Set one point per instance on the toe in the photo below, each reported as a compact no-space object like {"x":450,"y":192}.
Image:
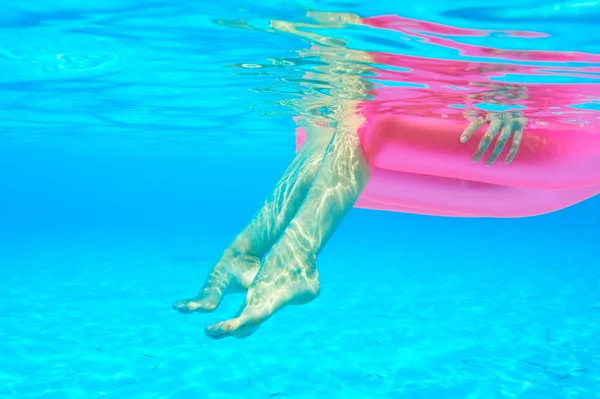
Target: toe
{"x":194,"y":306}
{"x":204,"y":303}
{"x":238,"y":327}
{"x":218,"y":330}
{"x":183,"y":306}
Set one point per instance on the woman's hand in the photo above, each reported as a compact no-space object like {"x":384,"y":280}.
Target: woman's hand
{"x":507,"y":123}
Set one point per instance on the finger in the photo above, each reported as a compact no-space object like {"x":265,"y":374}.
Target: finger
{"x":502,"y":140}
{"x":517,"y":138}
{"x":476,"y":123}
{"x":489,"y":135}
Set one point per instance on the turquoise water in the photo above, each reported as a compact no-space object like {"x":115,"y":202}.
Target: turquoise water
{"x":138,"y":137}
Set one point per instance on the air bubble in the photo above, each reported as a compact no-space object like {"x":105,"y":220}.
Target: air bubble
{"x":84,"y":62}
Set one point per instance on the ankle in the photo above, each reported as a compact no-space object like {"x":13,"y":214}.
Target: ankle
{"x":291,"y":257}
{"x":297,"y":250}
{"x":234,"y":252}
{"x":234,"y":258}
{"x":241,"y":250}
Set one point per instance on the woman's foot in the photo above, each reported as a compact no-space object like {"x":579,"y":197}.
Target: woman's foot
{"x":231,"y":274}
{"x":282,"y":280}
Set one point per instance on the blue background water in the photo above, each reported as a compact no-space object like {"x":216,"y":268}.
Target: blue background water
{"x":131,"y":160}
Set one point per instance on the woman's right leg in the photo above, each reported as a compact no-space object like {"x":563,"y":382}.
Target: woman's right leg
{"x":240,"y":262}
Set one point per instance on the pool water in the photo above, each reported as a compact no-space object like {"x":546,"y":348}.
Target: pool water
{"x":137,"y":138}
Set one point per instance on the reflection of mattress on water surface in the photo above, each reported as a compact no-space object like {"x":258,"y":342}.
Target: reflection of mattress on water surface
{"x":420,"y":166}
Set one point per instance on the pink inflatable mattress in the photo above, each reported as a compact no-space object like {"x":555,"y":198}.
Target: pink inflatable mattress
{"x":414,"y":121}
{"x":420,"y":166}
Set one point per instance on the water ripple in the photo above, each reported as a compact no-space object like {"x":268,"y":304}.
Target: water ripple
{"x":148,"y":71}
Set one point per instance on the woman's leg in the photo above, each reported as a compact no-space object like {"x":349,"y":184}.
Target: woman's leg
{"x":288,"y":274}
{"x":339,"y":185}
{"x":240,"y":262}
